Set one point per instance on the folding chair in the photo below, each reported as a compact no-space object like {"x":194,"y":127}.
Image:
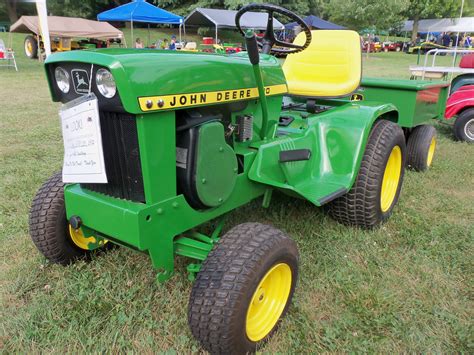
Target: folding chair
{"x":8,"y":56}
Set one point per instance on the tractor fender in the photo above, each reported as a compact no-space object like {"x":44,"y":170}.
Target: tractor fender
{"x":459,"y":101}
{"x":336,"y":139}
{"x":460,"y":81}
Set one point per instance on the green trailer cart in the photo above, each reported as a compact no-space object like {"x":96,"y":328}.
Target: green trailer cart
{"x":417,"y":103}
{"x":157,"y":143}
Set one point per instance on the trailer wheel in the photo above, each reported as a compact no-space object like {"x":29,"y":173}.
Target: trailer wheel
{"x":50,"y":231}
{"x":375,"y":192}
{"x":244,"y":288}
{"x":421,"y":147}
{"x":464,"y":126}
{"x":31,"y":47}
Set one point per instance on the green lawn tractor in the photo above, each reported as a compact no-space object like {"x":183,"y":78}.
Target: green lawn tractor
{"x":158,"y":143}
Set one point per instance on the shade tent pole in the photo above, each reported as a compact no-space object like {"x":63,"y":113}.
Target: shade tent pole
{"x":216,"y":33}
{"x":457,"y":40}
{"x":132,"y":34}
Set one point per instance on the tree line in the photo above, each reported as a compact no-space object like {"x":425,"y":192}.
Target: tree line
{"x":354,"y":14}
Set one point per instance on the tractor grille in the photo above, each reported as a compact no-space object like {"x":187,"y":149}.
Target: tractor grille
{"x":122,"y":158}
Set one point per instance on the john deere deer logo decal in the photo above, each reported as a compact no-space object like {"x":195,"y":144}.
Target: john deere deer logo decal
{"x":357,"y":97}
{"x":80,"y":80}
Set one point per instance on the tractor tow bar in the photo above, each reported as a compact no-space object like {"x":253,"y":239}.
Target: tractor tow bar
{"x":252,"y":50}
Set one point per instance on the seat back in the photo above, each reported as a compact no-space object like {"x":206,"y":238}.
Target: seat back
{"x":330,"y":67}
{"x":467,"y":61}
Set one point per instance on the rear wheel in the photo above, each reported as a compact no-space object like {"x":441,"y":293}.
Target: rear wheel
{"x":464,"y":126}
{"x":31,"y":47}
{"x":244,"y":288}
{"x":50,"y":231}
{"x":375,"y":192}
{"x":421,"y":147}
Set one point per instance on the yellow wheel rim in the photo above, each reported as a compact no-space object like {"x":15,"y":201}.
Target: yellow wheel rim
{"x":83,"y":242}
{"x":391,"y":179}
{"x":29,"y":47}
{"x":268,"y":302}
{"x":431,"y":151}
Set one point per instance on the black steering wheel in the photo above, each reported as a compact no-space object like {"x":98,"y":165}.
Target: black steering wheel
{"x":267,"y":42}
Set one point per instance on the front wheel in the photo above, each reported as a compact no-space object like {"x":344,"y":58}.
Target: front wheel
{"x":50,"y":231}
{"x":375,"y":192}
{"x":244,"y":288}
{"x":464,"y":126}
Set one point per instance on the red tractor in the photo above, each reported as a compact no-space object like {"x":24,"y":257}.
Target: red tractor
{"x":460,"y":103}
{"x":392,"y":46}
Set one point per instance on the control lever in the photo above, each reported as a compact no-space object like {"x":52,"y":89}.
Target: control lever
{"x":254,"y":56}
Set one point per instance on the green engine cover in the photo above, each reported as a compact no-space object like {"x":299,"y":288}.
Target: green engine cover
{"x":216,"y":169}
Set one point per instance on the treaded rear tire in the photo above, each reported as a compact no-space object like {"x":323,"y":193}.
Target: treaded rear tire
{"x":418,"y":146}
{"x":49,"y":226}
{"x":361,"y":206}
{"x":460,"y":125}
{"x":224,"y":287}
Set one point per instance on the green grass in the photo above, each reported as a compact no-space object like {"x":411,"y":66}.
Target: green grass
{"x":406,"y":287}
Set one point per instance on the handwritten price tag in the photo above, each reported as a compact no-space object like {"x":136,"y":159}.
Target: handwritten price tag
{"x":83,"y":153}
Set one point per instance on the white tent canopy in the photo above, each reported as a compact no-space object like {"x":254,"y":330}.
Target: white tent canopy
{"x":217,"y":18}
{"x":463,"y":24}
{"x":226,"y":19}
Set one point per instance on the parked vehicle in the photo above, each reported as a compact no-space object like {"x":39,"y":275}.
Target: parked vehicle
{"x":67,"y":33}
{"x":392,"y":46}
{"x":372,"y":47}
{"x":460,"y":106}
{"x":424,"y":47}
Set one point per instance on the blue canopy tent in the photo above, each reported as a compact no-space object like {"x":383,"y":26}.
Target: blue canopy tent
{"x":316,"y":22}
{"x":141,"y":11}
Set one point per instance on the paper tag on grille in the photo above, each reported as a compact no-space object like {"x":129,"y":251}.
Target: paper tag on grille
{"x":83,"y":153}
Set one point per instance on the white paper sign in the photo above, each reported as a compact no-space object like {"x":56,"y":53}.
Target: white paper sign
{"x":83,"y":153}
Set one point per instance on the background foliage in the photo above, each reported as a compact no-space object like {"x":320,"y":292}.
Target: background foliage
{"x":355,"y":14}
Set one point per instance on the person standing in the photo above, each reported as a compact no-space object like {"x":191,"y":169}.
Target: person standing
{"x":164,"y":44}
{"x":138,"y":43}
{"x":467,"y":42}
{"x":446,"y":39}
{"x":172,"y":45}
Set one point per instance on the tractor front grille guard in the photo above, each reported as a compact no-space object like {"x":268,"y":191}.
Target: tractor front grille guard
{"x":122,"y":158}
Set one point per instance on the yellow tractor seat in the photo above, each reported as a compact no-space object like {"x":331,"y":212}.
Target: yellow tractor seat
{"x":330,"y":67}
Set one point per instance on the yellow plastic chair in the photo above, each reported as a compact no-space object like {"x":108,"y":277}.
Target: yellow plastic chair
{"x":330,"y":67}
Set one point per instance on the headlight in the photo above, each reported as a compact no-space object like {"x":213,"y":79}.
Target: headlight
{"x":105,"y":83}
{"x":62,"y":79}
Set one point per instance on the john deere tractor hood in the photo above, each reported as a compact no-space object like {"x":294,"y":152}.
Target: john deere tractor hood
{"x":185,"y":79}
